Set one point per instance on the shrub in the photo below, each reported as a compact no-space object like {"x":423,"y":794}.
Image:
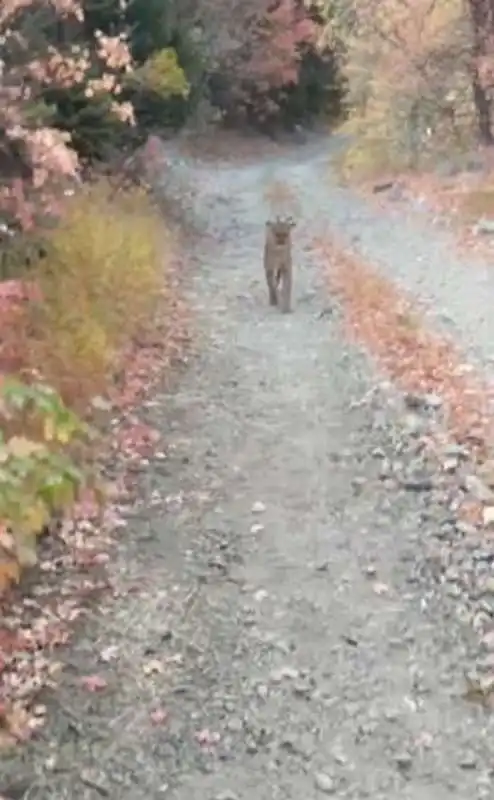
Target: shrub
{"x":99,"y":286}
{"x":162,"y":75}
{"x":159,"y":90}
{"x":49,"y":51}
{"x":40,"y":472}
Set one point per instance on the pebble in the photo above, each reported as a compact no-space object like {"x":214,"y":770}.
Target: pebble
{"x":262,"y":691}
{"x":278,"y":675}
{"x":339,"y":756}
{"x":488,"y":586}
{"x":257,"y":527}
{"x":413,"y":424}
{"x":324,"y":783}
{"x":258,"y":507}
{"x":488,"y":641}
{"x":468,"y":761}
{"x":478,"y":489}
{"x":486,"y":664}
{"x":378,"y":452}
{"x":456,"y":451}
{"x":465,"y":528}
{"x":404,"y":761}
{"x":413,"y":401}
{"x":486,"y":472}
{"x":433,"y":401}
{"x":418,"y":483}
{"x":302,"y":689}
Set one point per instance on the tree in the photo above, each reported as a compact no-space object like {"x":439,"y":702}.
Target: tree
{"x":251,"y":50}
{"x":482,"y":18}
{"x":44,"y":49}
{"x":408,"y":66}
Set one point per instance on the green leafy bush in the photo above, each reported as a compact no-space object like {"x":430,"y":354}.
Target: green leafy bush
{"x":159,"y":90}
{"x":162,"y":75}
{"x":40,"y":469}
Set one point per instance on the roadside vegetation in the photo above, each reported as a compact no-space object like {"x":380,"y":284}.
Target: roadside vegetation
{"x":91,"y":225}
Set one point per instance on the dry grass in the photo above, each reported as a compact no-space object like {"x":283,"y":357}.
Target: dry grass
{"x":100,"y":286}
{"x":476,"y":203}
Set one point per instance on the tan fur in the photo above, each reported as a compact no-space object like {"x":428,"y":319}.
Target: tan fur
{"x":278,"y":265}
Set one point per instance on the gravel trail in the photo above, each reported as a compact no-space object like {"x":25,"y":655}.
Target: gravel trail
{"x":455,"y":293}
{"x":285,"y":636}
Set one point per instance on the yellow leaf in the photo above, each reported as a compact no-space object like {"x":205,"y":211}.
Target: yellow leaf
{"x":49,"y":429}
{"x":63,"y":435}
{"x":34,"y":518}
{"x":6,"y":539}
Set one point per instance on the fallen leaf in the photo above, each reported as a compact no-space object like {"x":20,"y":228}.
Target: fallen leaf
{"x":424,"y":739}
{"x":18,"y":723}
{"x":158,"y":716}
{"x":9,"y":573}
{"x":207,"y":738}
{"x":94,"y":683}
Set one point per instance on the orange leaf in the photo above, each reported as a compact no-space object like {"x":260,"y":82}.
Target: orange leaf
{"x":9,"y":574}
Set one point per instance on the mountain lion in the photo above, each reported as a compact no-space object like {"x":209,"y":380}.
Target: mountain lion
{"x":278,"y":262}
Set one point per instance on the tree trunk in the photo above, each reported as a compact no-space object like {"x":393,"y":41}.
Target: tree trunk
{"x":482,"y":16}
{"x":483,"y":109}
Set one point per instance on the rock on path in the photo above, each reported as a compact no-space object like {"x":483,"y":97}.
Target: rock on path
{"x":281,"y":639}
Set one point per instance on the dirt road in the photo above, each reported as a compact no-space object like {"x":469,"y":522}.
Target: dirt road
{"x":292,"y":631}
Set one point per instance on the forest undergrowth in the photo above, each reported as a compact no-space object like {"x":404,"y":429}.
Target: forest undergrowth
{"x":103,"y":313}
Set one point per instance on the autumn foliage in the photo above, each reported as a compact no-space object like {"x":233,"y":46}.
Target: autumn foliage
{"x":108,"y":254}
{"x":418,"y":76}
{"x":39,"y":156}
{"x":84,"y":265}
{"x":258,"y":57}
{"x":269,"y":53}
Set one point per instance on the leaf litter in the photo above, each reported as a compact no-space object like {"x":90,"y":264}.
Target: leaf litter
{"x":383,"y":318}
{"x":39,"y":616}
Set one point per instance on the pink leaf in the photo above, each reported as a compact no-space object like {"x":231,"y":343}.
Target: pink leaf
{"x":94,"y":683}
{"x":159,"y":716}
